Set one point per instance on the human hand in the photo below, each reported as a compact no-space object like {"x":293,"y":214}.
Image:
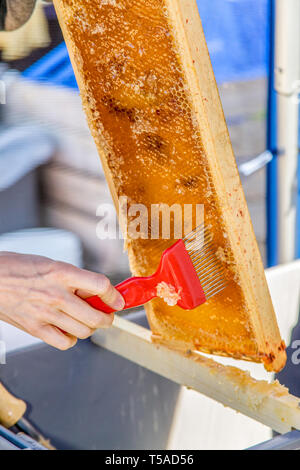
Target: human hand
{"x":45,"y":298}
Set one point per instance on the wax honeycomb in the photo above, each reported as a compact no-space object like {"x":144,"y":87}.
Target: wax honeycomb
{"x":140,"y":113}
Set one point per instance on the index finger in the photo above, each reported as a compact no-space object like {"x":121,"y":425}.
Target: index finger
{"x":94,"y":284}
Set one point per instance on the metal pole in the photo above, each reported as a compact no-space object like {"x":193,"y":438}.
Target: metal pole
{"x":272,"y":196}
{"x":287,"y":86}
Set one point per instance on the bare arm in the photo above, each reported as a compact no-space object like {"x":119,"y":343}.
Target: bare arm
{"x":40,"y":296}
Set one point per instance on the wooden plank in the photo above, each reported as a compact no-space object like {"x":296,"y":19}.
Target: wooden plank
{"x":153,"y":107}
{"x":270,"y":404}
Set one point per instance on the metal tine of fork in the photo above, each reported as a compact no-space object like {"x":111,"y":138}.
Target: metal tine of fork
{"x":215,"y":286}
{"x":200,"y":227}
{"x":198,"y":247}
{"x":212,"y":277}
{"x":197,"y":251}
{"x":201,"y":254}
{"x":204,"y":269}
{"x":220,"y":278}
{"x":209,"y":296}
{"x":208,"y":283}
{"x":204,"y":273}
{"x":214,"y":282}
{"x":202,"y":260}
{"x":203,"y":264}
{"x":209,"y":248}
{"x":215,"y":290}
{"x":199,"y":244}
{"x":198,"y":237}
{"x":195,"y":235}
{"x":201,"y":257}
{"x":211,"y":282}
{"x":210,"y":272}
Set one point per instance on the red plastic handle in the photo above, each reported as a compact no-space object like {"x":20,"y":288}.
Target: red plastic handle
{"x":136,"y":291}
{"x":176,"y":269}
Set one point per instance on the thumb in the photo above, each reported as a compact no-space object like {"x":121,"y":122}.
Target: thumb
{"x":109,"y":298}
{"x":86,"y":284}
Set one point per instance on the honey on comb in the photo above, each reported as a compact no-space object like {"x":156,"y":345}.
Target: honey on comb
{"x":139,"y":106}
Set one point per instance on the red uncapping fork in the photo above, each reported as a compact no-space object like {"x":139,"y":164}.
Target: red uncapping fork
{"x":189,"y":274}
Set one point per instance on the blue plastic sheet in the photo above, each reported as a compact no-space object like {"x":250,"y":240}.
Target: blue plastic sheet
{"x":236,"y":34}
{"x":54,"y":68}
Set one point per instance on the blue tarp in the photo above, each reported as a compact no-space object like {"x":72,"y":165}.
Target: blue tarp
{"x":236,"y":33}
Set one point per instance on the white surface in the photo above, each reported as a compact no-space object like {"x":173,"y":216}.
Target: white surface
{"x":22,"y":149}
{"x":52,"y":243}
{"x":201,"y":423}
{"x":58,"y":110}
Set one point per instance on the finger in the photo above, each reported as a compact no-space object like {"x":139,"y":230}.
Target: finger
{"x":47,"y":333}
{"x":68,"y":324}
{"x":54,"y":337}
{"x":80,"y":310}
{"x":96,"y":284}
{"x":112,"y":298}
{"x":85,"y":295}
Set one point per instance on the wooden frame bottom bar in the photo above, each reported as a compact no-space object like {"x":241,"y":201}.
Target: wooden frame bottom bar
{"x":268,"y":403}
